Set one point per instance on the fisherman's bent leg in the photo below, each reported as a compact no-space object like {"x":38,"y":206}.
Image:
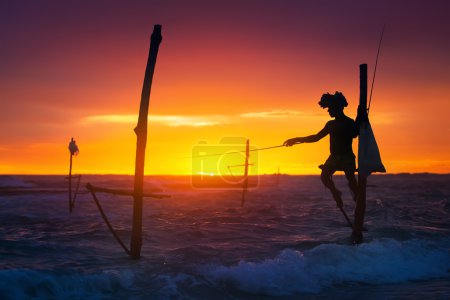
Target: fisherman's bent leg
{"x":352,"y":183}
{"x":328,"y":182}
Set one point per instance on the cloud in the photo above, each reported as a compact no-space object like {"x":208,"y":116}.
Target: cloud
{"x":168,"y":120}
{"x":194,"y":121}
{"x":271,"y":114}
{"x":197,"y":120}
{"x":111,"y":119}
{"x":378,"y":118}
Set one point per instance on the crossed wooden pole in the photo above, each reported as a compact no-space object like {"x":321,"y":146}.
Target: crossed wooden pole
{"x":141,"y":135}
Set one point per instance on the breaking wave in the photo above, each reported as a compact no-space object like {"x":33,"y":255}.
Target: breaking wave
{"x":378,"y":262}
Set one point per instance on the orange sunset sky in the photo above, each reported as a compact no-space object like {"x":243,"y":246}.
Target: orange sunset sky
{"x":253,"y":69}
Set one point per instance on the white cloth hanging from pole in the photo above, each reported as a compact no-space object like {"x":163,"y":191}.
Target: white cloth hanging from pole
{"x":369,"y":159}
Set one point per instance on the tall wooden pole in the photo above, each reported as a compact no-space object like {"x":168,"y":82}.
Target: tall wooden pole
{"x":70,"y":182}
{"x":141,"y":135}
{"x":245,"y":186}
{"x":362,"y":177}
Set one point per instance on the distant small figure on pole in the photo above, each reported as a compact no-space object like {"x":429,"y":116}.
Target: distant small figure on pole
{"x":342,"y":131}
{"x":73,"y":148}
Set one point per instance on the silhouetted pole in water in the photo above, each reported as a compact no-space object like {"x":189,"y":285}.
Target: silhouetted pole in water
{"x":277,"y":179}
{"x":73,"y":149}
{"x":141,"y":134}
{"x":245,"y":186}
{"x":70,"y":179}
{"x":360,"y":208}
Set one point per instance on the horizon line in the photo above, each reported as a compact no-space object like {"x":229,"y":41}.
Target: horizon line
{"x":264,"y":174}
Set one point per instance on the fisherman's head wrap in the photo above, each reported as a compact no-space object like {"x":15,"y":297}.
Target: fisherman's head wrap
{"x":333,"y":101}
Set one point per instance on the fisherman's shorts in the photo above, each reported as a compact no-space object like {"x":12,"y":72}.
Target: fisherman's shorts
{"x":340,"y":163}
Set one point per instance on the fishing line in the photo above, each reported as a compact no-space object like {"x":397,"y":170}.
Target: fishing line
{"x":375,"y":70}
{"x":233,"y":152}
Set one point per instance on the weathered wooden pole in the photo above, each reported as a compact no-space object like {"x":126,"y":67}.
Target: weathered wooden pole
{"x":70,"y":182}
{"x":141,"y":135}
{"x":362,"y":117}
{"x":73,"y":149}
{"x":277,"y":181}
{"x":245,"y":186}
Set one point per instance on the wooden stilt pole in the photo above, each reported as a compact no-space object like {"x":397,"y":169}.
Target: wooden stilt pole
{"x":360,"y":208}
{"x":277,"y":181}
{"x":141,"y":135}
{"x":245,"y":186}
{"x":70,"y":182}
{"x":114,"y":233}
{"x":73,"y":149}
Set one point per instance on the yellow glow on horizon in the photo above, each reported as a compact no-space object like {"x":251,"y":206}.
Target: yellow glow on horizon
{"x":107,"y":146}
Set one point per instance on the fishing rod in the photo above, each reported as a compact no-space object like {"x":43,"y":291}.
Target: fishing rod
{"x":266,"y":148}
{"x":375,"y":69}
{"x":234,"y":152}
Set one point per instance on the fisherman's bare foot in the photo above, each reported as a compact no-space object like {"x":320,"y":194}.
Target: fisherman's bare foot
{"x":337,"y":197}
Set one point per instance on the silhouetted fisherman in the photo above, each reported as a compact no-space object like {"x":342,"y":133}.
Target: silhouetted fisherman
{"x":342,"y":131}
{"x":73,"y":148}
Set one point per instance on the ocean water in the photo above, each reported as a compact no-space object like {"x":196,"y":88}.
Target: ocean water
{"x":288,"y":242}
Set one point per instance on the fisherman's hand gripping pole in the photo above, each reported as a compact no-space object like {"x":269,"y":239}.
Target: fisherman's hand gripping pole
{"x":292,"y":142}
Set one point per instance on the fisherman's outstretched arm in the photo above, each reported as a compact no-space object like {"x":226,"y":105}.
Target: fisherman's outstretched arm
{"x":308,"y":139}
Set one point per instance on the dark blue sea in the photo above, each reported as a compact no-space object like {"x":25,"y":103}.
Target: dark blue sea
{"x":289,"y":241}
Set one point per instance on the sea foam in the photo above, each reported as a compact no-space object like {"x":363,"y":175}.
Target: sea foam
{"x":26,"y":284}
{"x":380,"y":261}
